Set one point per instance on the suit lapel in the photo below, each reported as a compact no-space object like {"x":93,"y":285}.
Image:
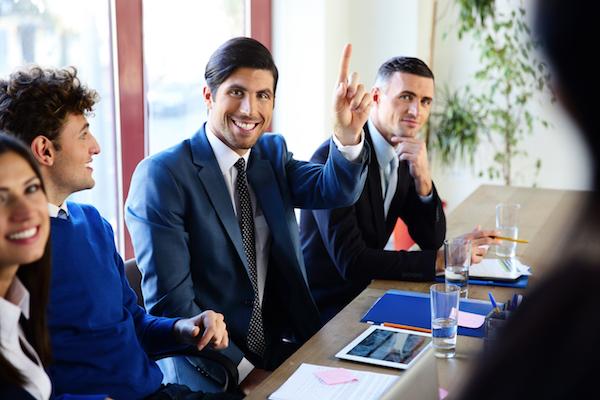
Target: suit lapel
{"x":264,"y":184}
{"x":211,"y":177}
{"x":374,"y":187}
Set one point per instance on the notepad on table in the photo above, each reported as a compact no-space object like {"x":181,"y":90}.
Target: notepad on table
{"x":304,"y":384}
{"x":508,"y":269}
{"x":413,"y":309}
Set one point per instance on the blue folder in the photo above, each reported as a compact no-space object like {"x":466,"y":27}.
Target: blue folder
{"x":520,"y":283}
{"x":413,"y":309}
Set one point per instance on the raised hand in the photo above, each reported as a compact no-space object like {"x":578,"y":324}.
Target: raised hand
{"x":351,"y":103}
{"x":203,"y":329}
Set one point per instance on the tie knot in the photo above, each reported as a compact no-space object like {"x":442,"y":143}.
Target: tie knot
{"x":240,"y":165}
{"x":62,"y":214}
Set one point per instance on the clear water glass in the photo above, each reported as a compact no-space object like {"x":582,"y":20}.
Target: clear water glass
{"x":444,"y":318}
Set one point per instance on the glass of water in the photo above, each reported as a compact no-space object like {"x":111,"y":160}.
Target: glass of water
{"x":444,"y":318}
{"x":457,"y":260}
{"x":506,"y":222}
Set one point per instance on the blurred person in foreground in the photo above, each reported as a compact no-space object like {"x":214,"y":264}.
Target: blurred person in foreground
{"x":549,"y":347}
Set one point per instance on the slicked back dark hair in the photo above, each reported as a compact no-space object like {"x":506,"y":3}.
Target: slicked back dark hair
{"x":35,"y":277}
{"x":36,"y":101}
{"x":239,"y":52}
{"x":408,"y":65}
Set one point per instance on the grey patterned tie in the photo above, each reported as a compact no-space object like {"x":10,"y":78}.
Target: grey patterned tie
{"x":256,"y":335}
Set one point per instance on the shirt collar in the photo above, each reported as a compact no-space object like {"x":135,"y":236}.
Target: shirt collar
{"x":18,"y":295}
{"x":384,"y":151}
{"x":53,"y":209}
{"x":225,"y":156}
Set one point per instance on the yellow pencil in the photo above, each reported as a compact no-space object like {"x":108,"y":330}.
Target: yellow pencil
{"x":510,"y":239}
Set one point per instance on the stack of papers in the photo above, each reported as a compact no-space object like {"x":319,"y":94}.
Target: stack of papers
{"x":500,"y":269}
{"x":305,"y":384}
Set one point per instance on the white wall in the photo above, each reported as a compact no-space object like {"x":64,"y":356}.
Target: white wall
{"x":308,"y":36}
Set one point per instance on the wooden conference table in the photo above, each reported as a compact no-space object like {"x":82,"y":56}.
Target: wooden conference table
{"x":545,"y":214}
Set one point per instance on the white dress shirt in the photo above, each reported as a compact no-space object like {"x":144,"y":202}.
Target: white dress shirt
{"x":53,"y":209}
{"x":226,"y":158}
{"x":16,"y":302}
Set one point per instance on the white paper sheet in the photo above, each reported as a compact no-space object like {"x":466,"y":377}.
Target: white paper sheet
{"x":303,"y":385}
{"x":510,"y":268}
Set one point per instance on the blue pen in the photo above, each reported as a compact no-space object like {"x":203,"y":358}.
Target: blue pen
{"x":494,"y":302}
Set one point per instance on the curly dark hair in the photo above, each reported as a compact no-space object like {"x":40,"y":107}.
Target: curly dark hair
{"x":36,"y":101}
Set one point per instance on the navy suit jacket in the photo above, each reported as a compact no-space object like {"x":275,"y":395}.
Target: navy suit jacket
{"x":344,"y":248}
{"x":188,"y":242}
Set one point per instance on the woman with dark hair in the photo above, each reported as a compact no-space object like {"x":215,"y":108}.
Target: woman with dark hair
{"x":24,"y":275}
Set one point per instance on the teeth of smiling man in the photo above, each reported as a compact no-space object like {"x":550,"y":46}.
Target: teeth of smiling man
{"x":26,"y":234}
{"x":245,"y":125}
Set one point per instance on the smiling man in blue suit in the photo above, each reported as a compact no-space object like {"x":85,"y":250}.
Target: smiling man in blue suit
{"x":212,"y":219}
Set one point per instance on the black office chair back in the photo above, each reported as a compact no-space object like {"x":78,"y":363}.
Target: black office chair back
{"x":228,"y":375}
{"x":134,"y":276}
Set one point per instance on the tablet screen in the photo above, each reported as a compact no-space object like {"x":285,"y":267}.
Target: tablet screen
{"x":390,"y":347}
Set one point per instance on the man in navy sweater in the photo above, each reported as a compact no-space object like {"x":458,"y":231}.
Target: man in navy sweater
{"x":101,"y":338}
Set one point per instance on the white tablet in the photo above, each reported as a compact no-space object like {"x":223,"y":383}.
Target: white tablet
{"x":389,"y":347}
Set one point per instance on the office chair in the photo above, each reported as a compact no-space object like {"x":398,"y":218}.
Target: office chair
{"x":214,"y":365}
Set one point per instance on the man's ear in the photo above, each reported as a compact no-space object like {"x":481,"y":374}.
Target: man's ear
{"x":207,"y":96}
{"x":375,"y":93}
{"x":43,"y":150}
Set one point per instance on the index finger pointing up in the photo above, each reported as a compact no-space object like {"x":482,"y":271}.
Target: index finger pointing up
{"x":345,"y":63}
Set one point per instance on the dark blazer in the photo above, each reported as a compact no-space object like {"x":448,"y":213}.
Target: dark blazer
{"x":13,"y":392}
{"x":188,"y":243}
{"x":343,"y":248}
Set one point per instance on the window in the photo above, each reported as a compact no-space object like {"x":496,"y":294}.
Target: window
{"x":179,"y":37}
{"x":70,"y":32}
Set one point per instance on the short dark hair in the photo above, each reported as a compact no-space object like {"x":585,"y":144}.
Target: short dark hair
{"x":36,"y":278}
{"x":36,"y":101}
{"x":408,"y":65}
{"x":239,"y":52}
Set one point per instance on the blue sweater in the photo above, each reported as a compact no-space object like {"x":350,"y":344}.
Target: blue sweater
{"x":100,"y":336}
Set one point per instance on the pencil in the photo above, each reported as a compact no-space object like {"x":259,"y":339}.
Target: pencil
{"x":510,"y":239}
{"x":410,"y":328}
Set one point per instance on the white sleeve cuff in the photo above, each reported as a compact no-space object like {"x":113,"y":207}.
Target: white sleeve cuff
{"x":244,"y":368}
{"x":350,"y":152}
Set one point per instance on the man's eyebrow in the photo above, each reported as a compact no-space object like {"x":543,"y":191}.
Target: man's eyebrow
{"x":408,"y":92}
{"x":85,"y":127}
{"x":236,"y":86}
{"x":268,"y":91}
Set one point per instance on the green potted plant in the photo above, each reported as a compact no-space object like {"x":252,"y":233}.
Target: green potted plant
{"x":509,"y":76}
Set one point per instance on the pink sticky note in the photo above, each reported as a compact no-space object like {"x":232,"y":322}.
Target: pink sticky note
{"x":334,"y":376}
{"x":443,"y":393}
{"x":470,"y":320}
